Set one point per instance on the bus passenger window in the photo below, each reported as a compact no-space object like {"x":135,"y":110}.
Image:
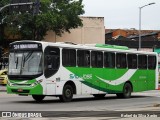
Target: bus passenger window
{"x":83,"y":58}
{"x":121,"y":60}
{"x":132,"y":61}
{"x":109,"y":60}
{"x":152,"y":62}
{"x":142,"y":61}
{"x":69,"y":57}
{"x":97,"y":59}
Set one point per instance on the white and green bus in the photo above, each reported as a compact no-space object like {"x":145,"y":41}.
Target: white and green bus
{"x":60,"y":69}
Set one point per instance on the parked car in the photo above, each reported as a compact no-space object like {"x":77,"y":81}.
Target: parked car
{"x":3,"y":76}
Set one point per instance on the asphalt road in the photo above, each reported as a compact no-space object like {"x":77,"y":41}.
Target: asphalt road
{"x":80,"y":103}
{"x":143,"y":101}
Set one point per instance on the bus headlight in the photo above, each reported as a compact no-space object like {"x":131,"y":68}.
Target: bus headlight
{"x":36,"y":83}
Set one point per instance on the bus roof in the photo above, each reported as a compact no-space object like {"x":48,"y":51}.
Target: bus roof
{"x":112,"y":46}
{"x":103,"y":47}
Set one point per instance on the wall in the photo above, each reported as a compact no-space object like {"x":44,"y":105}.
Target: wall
{"x":93,"y":31}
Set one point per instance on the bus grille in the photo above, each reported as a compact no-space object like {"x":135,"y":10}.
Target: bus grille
{"x":21,"y":84}
{"x":24,"y":91}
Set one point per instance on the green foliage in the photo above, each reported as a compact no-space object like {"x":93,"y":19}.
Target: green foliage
{"x":4,"y":2}
{"x":56,"y":15}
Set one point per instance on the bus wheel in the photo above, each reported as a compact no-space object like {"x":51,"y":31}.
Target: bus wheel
{"x":67,"y":94}
{"x":99,"y":95}
{"x":38,"y":98}
{"x":119,"y":95}
{"x":127,"y":90}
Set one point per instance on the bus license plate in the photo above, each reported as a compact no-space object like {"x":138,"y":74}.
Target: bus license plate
{"x":20,"y":90}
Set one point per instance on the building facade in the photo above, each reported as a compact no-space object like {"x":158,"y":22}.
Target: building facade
{"x":92,"y":31}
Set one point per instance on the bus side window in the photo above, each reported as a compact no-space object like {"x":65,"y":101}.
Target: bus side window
{"x":109,"y":60}
{"x":121,"y":60}
{"x":69,"y":57}
{"x":142,"y":61}
{"x":83,"y":58}
{"x":151,"y":62}
{"x":132,"y":61}
{"x":97,"y":59}
{"x":51,"y":61}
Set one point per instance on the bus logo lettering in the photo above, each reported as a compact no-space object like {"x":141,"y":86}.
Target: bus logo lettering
{"x":84,"y":76}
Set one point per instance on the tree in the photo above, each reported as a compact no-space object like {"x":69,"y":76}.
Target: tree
{"x":2,"y":16}
{"x":56,"y":15}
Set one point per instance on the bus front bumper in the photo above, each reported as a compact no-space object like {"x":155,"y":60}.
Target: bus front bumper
{"x":36,"y":90}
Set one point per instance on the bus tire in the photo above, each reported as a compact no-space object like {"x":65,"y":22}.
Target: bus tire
{"x":127,"y":90}
{"x":38,"y":98}
{"x":67,"y":94}
{"x":119,"y":95}
{"x":99,"y":95}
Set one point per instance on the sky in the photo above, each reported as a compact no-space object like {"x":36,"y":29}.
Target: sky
{"x":124,"y":14}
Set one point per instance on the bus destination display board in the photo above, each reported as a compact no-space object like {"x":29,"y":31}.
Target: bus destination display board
{"x":25,"y":46}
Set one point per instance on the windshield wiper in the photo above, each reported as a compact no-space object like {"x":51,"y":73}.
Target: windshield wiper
{"x":16,"y":62}
{"x":27,"y":57}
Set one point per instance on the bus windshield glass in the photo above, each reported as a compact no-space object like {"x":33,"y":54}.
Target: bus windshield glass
{"x":25,"y":63}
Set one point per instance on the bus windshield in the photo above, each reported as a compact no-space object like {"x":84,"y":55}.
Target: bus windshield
{"x":25,"y":63}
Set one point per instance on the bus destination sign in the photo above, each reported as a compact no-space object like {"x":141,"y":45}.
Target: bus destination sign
{"x":25,"y":46}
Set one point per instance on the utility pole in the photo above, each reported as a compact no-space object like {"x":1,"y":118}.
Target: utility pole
{"x":36,"y":7}
{"x":140,"y":8}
